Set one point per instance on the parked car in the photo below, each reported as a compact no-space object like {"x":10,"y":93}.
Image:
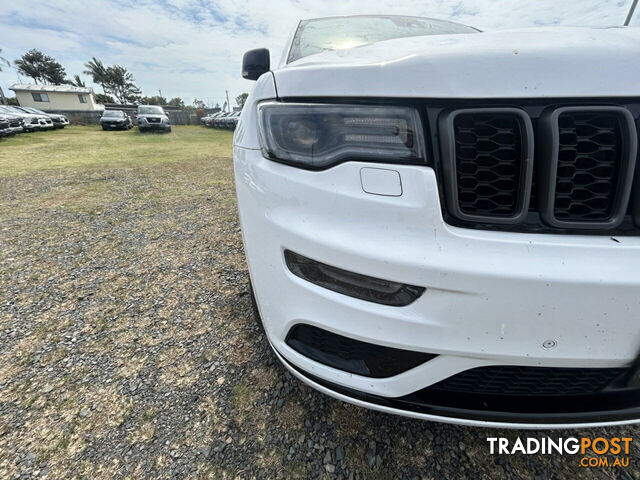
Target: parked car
{"x":152,"y":117}
{"x":31,"y":121}
{"x":409,"y":249}
{"x":218,"y":121}
{"x":15,"y":121}
{"x":235,"y":119}
{"x":58,"y":120}
{"x":231,"y":121}
{"x":210,"y":119}
{"x":5,"y":127}
{"x":115,"y":120}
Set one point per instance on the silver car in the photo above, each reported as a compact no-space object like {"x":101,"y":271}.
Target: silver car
{"x":59,"y":121}
{"x":153,"y":117}
{"x":32,"y":122}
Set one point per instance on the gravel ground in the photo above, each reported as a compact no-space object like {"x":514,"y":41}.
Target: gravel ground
{"x":128,"y":349}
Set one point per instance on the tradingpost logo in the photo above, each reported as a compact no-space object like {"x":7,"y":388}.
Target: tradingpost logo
{"x":590,"y":452}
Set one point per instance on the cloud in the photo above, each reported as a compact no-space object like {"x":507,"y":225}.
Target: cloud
{"x":193,"y":48}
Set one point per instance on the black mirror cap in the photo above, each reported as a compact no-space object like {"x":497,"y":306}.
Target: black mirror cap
{"x":255,"y":63}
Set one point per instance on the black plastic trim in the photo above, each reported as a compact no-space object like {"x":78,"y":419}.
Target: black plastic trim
{"x":352,"y":284}
{"x":351,"y":355}
{"x":548,"y":151}
{"x":448,"y":159}
{"x":454,"y":406}
{"x":635,"y":196}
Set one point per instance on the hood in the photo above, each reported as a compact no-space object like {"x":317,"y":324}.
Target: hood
{"x":152,"y":115}
{"x":541,"y":62}
{"x":28,"y":115}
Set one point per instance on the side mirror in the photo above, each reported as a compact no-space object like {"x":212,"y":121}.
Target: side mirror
{"x":255,"y":63}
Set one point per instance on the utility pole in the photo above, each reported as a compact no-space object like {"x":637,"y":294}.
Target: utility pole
{"x":634,"y":4}
{"x":160,"y":92}
{"x":3,"y":99}
{"x":229,"y":105}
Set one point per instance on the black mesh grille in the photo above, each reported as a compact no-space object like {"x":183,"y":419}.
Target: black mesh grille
{"x":513,"y":380}
{"x":589,"y":157}
{"x":352,"y":355}
{"x":582,"y":164}
{"x":488,"y":162}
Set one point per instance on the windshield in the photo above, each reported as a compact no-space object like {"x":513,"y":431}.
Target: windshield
{"x":336,"y":33}
{"x":32,"y":110}
{"x":112,"y":113}
{"x":150,"y":110}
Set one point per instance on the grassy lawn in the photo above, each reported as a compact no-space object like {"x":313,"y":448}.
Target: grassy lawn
{"x":89,"y":147}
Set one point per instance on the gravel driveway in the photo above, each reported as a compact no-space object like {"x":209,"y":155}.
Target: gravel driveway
{"x":128,"y":348}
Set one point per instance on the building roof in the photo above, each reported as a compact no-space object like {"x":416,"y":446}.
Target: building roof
{"x":29,"y":87}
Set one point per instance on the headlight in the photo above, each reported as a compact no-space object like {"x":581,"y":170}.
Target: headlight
{"x":317,"y":136}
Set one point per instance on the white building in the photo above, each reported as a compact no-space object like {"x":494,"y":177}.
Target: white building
{"x":55,"y":97}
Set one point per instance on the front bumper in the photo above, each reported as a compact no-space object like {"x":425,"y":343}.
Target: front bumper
{"x":115,"y":125}
{"x":153,"y":125}
{"x":492,"y":298}
{"x":60,"y":122}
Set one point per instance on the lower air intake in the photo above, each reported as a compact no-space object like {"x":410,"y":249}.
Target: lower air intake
{"x":350,"y":355}
{"x":515,"y":380}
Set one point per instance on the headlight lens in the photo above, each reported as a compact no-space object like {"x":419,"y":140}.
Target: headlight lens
{"x":317,"y":136}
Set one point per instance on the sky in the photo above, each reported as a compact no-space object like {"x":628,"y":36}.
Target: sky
{"x":193,"y":48}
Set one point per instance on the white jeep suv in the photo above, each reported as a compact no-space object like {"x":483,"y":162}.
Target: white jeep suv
{"x":445,"y":223}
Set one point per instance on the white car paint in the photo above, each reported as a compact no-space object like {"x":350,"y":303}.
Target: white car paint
{"x":492,"y":298}
{"x":533,"y":63}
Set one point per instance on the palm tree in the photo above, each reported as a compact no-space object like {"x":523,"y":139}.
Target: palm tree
{"x":97,"y":71}
{"x":3,"y":61}
{"x":77,"y":81}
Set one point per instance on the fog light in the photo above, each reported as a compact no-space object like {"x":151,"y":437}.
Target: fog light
{"x":352,"y":284}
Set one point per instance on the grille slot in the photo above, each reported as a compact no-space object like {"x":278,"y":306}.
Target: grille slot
{"x":588,"y":165}
{"x":587,"y":158}
{"x":515,"y":380}
{"x":487,"y":156}
{"x":487,"y":163}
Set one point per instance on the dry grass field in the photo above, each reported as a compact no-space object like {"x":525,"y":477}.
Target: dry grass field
{"x":128,"y":347}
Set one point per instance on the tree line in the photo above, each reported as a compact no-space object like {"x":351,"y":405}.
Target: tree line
{"x":117,"y":83}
